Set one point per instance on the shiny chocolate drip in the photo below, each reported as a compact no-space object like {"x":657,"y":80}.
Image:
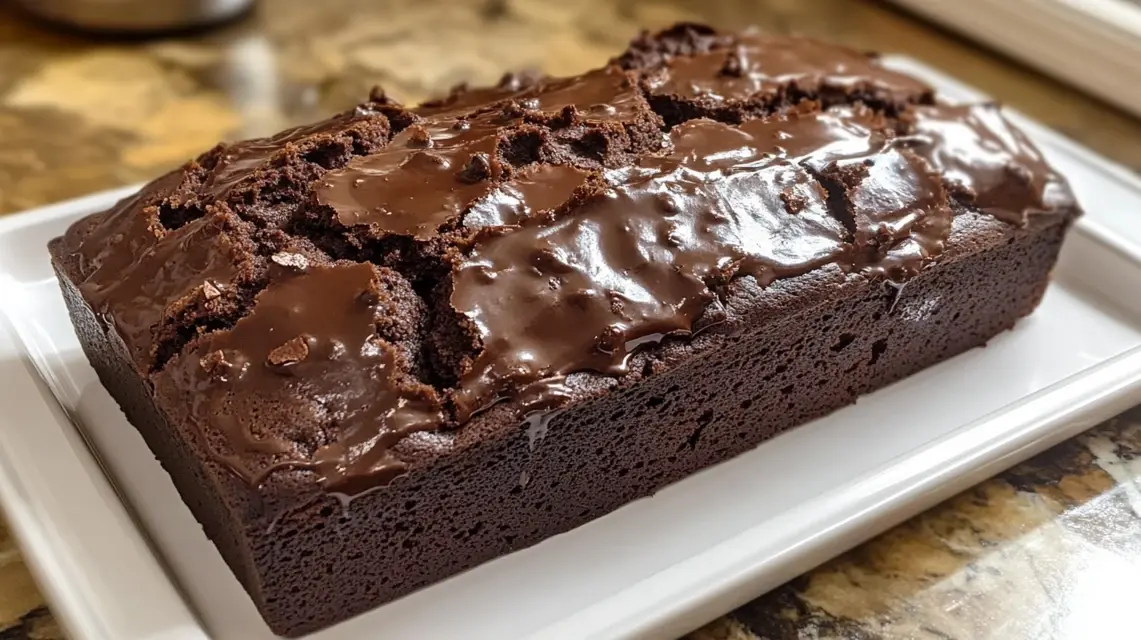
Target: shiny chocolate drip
{"x":604,"y":94}
{"x":901,"y":214}
{"x":426,"y":177}
{"x":197,"y":261}
{"x":538,"y":188}
{"x":433,"y":171}
{"x":989,"y":163}
{"x":463,"y":99}
{"x":134,"y":270}
{"x":759,"y":65}
{"x":635,"y":262}
{"x":122,"y":233}
{"x":239,"y":160}
{"x":307,"y":360}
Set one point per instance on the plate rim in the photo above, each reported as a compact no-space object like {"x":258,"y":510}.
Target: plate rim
{"x":35,"y":535}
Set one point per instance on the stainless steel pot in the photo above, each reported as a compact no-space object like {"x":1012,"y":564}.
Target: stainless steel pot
{"x":136,"y":15}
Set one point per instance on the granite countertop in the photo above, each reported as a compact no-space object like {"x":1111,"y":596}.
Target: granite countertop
{"x":1050,"y":549}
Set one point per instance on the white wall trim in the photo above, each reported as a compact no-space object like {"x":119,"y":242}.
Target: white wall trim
{"x":1092,"y":44}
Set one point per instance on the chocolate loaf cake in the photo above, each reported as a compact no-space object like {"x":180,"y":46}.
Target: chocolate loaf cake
{"x":384,"y":348}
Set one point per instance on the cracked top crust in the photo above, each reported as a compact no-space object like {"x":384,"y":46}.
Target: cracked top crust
{"x":307,"y":301}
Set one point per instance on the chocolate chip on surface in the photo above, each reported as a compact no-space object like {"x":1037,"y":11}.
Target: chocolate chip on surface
{"x":291,"y":352}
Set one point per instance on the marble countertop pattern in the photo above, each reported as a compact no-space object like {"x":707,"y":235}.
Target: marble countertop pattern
{"x":1050,"y":549}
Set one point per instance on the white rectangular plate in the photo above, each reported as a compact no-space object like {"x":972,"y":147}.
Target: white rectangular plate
{"x":659,"y":566}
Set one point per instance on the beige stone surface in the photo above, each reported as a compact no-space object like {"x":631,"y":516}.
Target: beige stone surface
{"x":1050,"y":549}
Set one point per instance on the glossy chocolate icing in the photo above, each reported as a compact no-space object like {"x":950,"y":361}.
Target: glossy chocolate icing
{"x":137,"y":273}
{"x":604,"y":94}
{"x":639,"y":259}
{"x":988,"y":162}
{"x":118,"y":237}
{"x":431,"y":172}
{"x":311,"y":343}
{"x":463,"y":99}
{"x":756,"y":66}
{"x":426,"y":177}
{"x":199,"y":265}
{"x":534,"y":190}
{"x":553,"y":264}
{"x":238,"y":161}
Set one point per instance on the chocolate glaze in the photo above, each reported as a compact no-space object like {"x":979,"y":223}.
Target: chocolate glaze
{"x":421,"y":181}
{"x":311,"y":339}
{"x":760,"y":66}
{"x":532,"y":191}
{"x":605,"y":94}
{"x":117,"y":238}
{"x":239,"y":160}
{"x":900,"y":210}
{"x":988,"y":163}
{"x":638,"y":260}
{"x":556,"y":263}
{"x":652,"y":50}
{"x":463,"y":99}
{"x":431,"y":172}
{"x":136,"y":272}
{"x":199,"y":265}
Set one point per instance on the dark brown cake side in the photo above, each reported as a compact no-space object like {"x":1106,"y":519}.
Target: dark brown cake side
{"x":380,"y":350}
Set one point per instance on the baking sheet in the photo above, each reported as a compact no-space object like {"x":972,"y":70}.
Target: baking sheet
{"x":659,"y":566}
